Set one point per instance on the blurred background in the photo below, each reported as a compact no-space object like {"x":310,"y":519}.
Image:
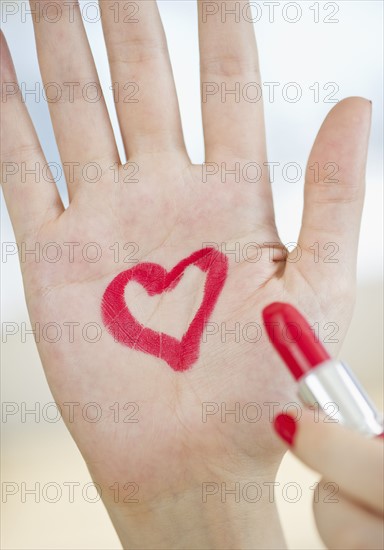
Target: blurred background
{"x":332,"y":50}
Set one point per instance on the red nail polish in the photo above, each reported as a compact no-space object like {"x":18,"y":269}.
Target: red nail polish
{"x":285,"y":426}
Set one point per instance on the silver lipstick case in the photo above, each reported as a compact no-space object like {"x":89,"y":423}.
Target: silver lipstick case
{"x":333,"y":383}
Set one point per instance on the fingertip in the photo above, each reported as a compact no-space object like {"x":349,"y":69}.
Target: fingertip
{"x":353,"y":112}
{"x":353,"y":102}
{"x":286,"y":427}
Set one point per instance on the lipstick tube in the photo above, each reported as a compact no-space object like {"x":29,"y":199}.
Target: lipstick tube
{"x":333,"y":382}
{"x":321,"y":380}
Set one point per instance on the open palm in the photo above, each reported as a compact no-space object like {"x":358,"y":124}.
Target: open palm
{"x":151,"y":426}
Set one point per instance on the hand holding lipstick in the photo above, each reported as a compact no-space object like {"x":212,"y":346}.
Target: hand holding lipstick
{"x":321,"y":380}
{"x":355,"y":519}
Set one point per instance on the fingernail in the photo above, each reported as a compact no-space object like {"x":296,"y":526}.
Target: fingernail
{"x":285,"y":426}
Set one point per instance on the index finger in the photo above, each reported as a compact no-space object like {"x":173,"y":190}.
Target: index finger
{"x":347,"y":458}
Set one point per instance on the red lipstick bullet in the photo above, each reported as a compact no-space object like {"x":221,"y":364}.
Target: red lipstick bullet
{"x":293,"y":338}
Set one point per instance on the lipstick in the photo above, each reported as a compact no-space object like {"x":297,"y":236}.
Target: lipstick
{"x":321,"y":380}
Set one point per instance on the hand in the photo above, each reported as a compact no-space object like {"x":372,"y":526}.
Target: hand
{"x":170,"y":213}
{"x":353,"y":516}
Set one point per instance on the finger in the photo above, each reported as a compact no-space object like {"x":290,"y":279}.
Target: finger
{"x":79,"y":115}
{"x":145,"y":93}
{"x":352,"y":461}
{"x":30,"y":192}
{"x":344,"y":524}
{"x":230,"y":80}
{"x":334,"y":190}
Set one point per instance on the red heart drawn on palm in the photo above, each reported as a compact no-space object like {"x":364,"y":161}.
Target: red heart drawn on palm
{"x":179,"y":354}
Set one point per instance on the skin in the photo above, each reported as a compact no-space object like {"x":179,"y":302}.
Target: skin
{"x":353,"y":516}
{"x":170,"y":213}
